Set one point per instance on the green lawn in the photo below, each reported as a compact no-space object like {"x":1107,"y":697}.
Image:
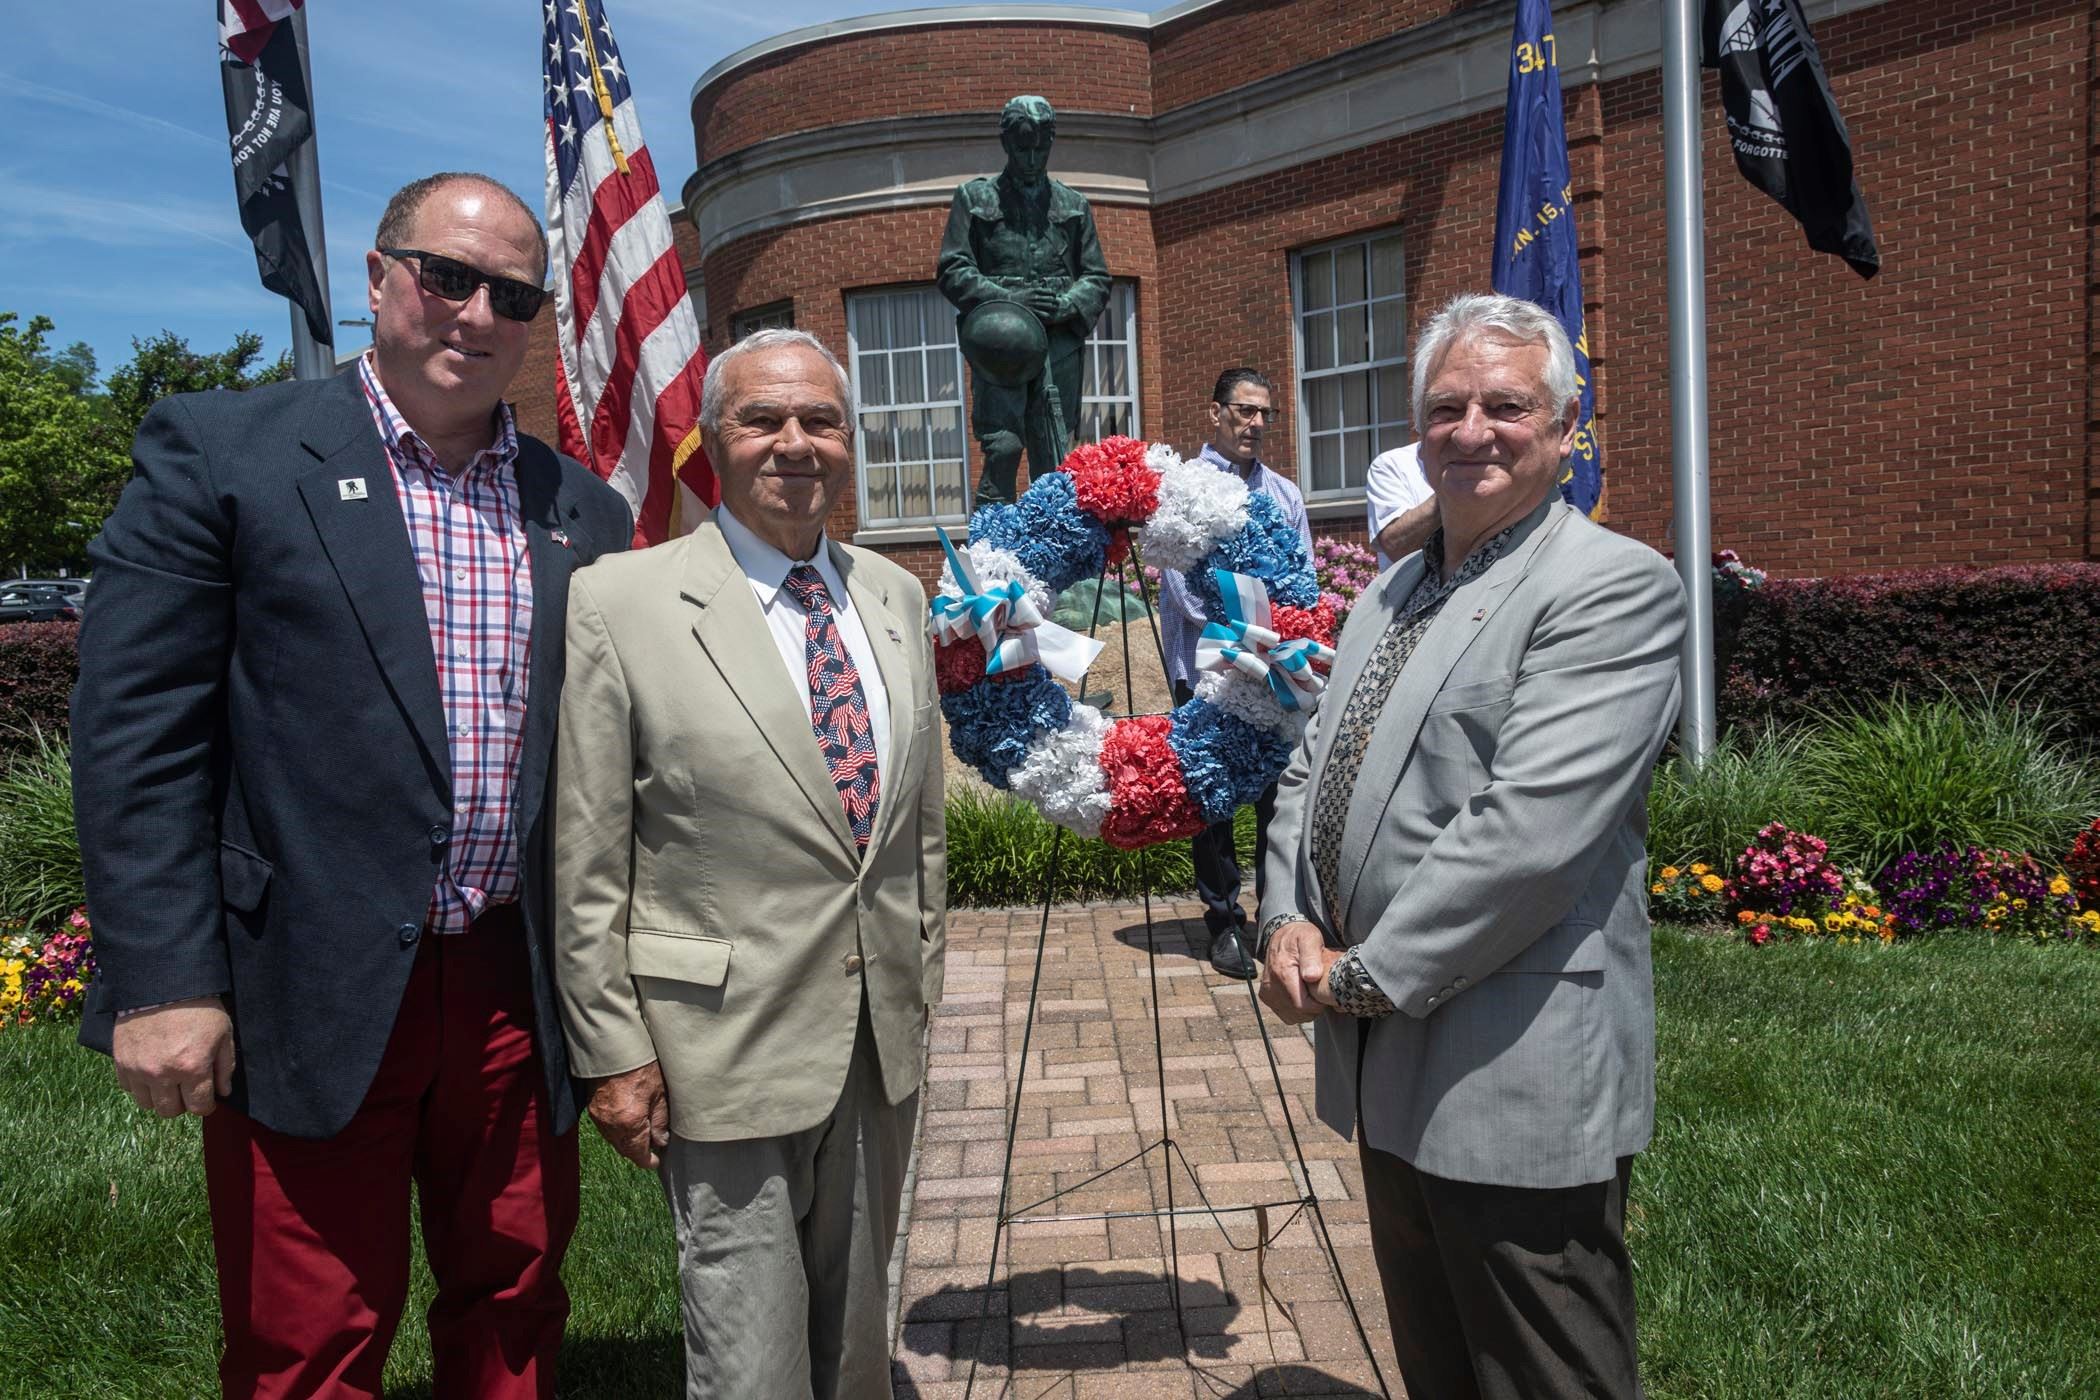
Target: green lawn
{"x":1876,"y":1173}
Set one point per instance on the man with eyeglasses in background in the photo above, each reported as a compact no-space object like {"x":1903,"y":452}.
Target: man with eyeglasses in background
{"x":1242,"y":409}
{"x":310,"y":749}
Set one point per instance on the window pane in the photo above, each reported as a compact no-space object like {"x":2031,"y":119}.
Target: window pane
{"x":1353,"y":344}
{"x":1393,"y":394}
{"x":1323,"y":405}
{"x":1116,"y":376}
{"x":917,"y":489}
{"x":946,"y":424}
{"x":910,"y":325}
{"x":1315,"y":275}
{"x":948,"y":488}
{"x":874,"y":380}
{"x":909,"y":369}
{"x":941,"y":370}
{"x":1356,"y":456}
{"x":1386,"y":267}
{"x":1356,"y":399}
{"x":1385,"y":330}
{"x":1327,"y":462}
{"x":881,"y":483}
{"x":1319,"y":341}
{"x":878,"y":443}
{"x":911,"y":435}
{"x":1349,"y":274}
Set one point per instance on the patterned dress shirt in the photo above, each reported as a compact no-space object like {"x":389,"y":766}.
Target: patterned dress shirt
{"x":466,"y":530}
{"x":1355,"y":992}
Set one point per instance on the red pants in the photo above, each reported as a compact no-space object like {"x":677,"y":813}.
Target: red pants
{"x":312,"y":1235}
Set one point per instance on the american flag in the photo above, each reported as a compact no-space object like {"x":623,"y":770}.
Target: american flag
{"x":245,"y":25}
{"x":629,"y":368}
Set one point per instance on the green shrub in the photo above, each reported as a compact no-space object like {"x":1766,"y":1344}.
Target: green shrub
{"x":999,"y":855}
{"x":1710,"y":812}
{"x":39,"y":661}
{"x":1912,"y":773}
{"x":40,"y":881}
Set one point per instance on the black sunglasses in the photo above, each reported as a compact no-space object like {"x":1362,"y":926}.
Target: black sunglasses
{"x":455,"y":281}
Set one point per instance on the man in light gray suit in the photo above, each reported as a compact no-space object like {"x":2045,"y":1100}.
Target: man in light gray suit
{"x":1455,"y":885}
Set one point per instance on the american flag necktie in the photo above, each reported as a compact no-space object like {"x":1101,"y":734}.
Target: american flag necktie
{"x":838,"y":707}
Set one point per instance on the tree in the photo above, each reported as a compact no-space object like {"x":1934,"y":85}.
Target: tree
{"x":166,"y":365}
{"x":62,"y":461}
{"x":65,"y":446}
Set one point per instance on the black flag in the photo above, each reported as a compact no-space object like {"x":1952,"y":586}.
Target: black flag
{"x":1789,"y":140}
{"x":267,"y":116}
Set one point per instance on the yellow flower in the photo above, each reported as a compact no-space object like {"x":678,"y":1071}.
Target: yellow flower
{"x":1670,"y":872}
{"x":1655,"y":889}
{"x":2059,"y":887}
{"x":2019,"y":904}
{"x":1698,"y":869}
{"x":1710,"y":883}
{"x":1833,"y":922}
{"x":1746,"y":917}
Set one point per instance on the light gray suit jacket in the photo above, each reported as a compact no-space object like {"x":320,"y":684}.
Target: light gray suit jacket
{"x":711,"y":911}
{"x":1493,"y":865}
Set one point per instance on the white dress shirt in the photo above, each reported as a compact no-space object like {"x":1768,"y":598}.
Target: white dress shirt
{"x":767,"y":569}
{"x":1394,"y":484}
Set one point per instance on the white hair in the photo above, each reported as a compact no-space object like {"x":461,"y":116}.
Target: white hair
{"x":771,"y":338}
{"x":1511,"y":318}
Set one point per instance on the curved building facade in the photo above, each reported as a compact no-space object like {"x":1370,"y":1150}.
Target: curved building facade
{"x":1294,"y":184}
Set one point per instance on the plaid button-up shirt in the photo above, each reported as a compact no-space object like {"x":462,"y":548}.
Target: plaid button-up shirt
{"x":466,"y":530}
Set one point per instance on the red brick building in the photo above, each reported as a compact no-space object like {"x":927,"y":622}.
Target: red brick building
{"x":1293,"y":184}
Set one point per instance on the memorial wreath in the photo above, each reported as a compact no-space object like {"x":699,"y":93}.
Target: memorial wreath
{"x":1264,"y":652}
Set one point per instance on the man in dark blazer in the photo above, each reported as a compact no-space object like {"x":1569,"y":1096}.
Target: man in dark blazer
{"x":310,"y":741}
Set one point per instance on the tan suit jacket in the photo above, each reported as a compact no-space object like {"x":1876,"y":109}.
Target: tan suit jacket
{"x":711,"y":912}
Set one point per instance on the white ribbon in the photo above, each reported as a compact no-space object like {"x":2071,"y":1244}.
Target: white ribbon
{"x":1244,"y":641}
{"x":1013,"y":630}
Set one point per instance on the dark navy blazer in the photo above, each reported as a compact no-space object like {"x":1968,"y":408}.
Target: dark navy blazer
{"x":260,"y":772}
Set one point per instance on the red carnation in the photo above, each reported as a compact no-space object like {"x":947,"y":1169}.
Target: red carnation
{"x":1111,"y":481}
{"x":1144,"y":782}
{"x":958,"y":665}
{"x":1317,"y":622}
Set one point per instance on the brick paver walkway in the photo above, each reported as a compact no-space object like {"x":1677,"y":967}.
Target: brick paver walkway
{"x":1091,"y":1312}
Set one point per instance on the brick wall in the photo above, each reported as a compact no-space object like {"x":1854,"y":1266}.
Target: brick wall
{"x":1945,"y":413}
{"x":937,"y":69}
{"x":1227,"y":46}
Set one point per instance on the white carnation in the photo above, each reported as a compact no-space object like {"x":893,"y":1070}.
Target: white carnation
{"x":1198,"y":507}
{"x":1245,"y":698}
{"x":1062,"y":773}
{"x":997,"y":566}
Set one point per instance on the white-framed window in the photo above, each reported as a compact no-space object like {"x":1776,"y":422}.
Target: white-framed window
{"x":908,"y":385}
{"x":775,"y":315}
{"x":1108,"y":395}
{"x":1351,"y":301}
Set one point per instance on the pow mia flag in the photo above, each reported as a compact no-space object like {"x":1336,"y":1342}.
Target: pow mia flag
{"x":1789,"y":140}
{"x":268,"y":114}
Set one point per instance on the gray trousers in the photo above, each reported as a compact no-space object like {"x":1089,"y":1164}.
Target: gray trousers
{"x":1501,"y":1292}
{"x":784,"y":1249}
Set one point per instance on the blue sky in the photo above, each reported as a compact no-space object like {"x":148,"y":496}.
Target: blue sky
{"x":117,"y":217}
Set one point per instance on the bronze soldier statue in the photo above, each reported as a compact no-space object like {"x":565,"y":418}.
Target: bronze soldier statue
{"x":1023,"y":266}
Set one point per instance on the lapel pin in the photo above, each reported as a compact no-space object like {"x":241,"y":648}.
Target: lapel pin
{"x":895,"y":636}
{"x":1480,"y":615}
{"x":560,"y":537}
{"x":351,"y":488}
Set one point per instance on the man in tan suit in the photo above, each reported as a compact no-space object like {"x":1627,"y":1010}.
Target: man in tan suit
{"x":750,"y":885}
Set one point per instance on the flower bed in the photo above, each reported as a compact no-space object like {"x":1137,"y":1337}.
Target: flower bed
{"x":46,"y":979}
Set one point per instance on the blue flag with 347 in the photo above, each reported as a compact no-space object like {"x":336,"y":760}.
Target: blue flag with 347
{"x":1535,"y":245}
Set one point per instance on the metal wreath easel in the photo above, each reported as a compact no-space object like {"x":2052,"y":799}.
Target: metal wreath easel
{"x":1307,"y":1203}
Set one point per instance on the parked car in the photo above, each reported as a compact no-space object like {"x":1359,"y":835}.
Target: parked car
{"x":74,"y":588}
{"x":37,"y":602}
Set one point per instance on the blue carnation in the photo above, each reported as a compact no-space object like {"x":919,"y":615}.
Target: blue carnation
{"x":1225,"y":761}
{"x":991,"y":725}
{"x":1057,"y":541}
{"x":1269,"y":549}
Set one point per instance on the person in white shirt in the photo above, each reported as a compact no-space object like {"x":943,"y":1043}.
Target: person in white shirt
{"x":1399,"y":508}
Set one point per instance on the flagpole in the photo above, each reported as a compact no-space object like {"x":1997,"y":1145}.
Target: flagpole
{"x":1684,"y":179}
{"x":310,"y":358}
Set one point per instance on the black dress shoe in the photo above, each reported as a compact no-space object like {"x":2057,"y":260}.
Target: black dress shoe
{"x":1229,"y":953}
